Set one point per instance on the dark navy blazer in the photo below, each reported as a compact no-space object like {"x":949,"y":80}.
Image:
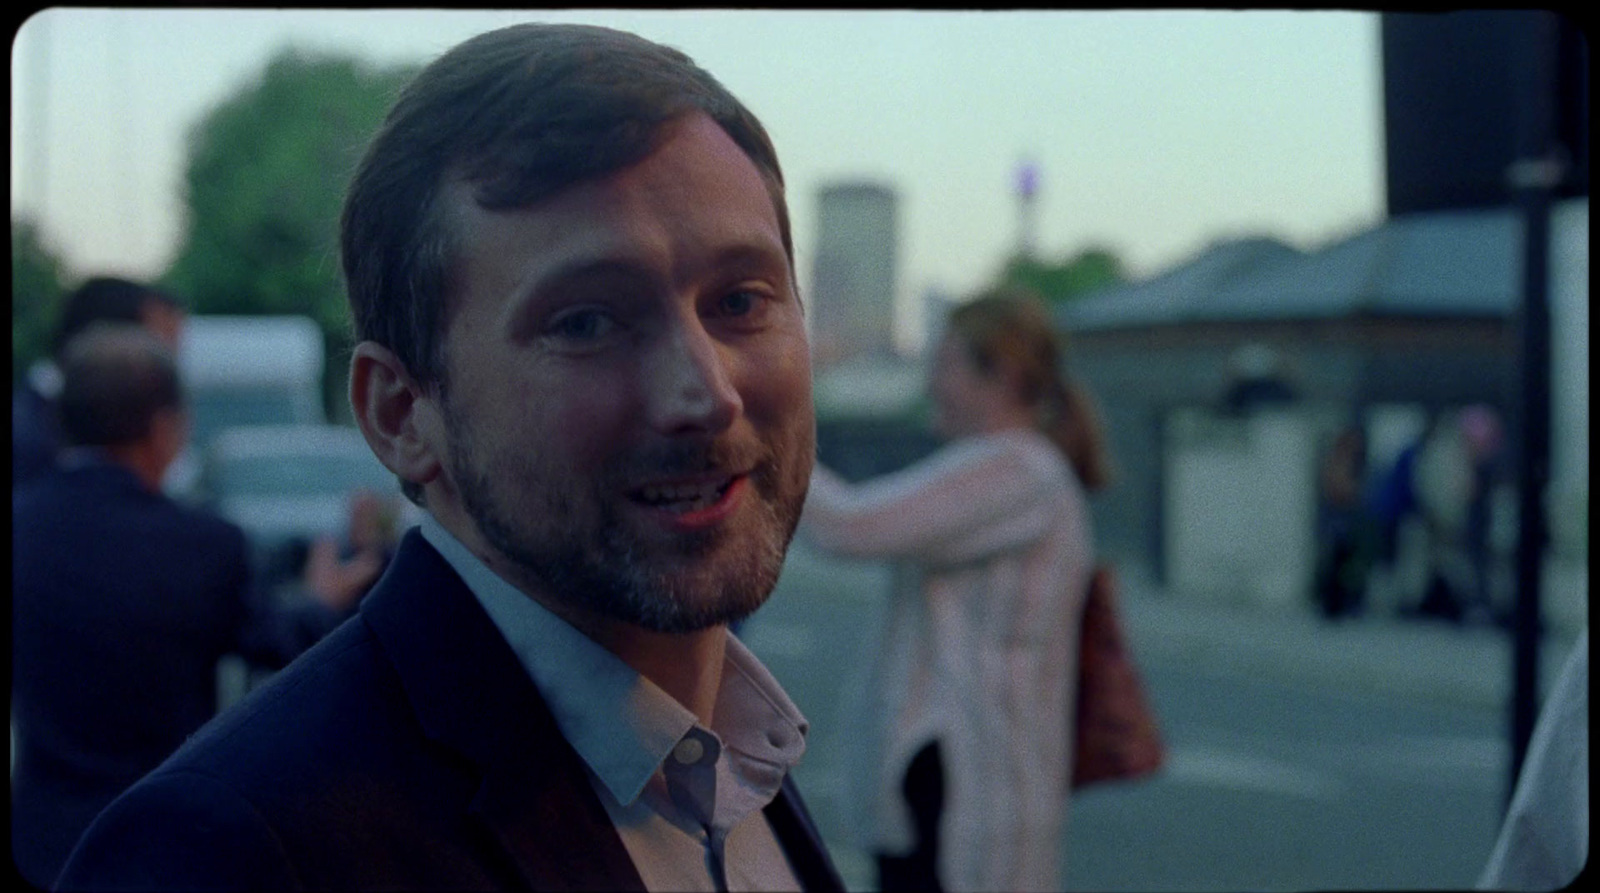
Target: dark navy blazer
{"x":122,"y":603}
{"x":408,"y":750}
{"x":35,"y":434}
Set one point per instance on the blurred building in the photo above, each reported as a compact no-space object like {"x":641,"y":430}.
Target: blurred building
{"x":937,"y":303}
{"x":1404,"y":322}
{"x":854,"y":273}
{"x":1410,"y":319}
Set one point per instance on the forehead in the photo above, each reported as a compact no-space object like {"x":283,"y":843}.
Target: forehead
{"x":697,"y":190}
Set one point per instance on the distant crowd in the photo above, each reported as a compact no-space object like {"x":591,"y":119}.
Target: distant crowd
{"x":1423,"y":535}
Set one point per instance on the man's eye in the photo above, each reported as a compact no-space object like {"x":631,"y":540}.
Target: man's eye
{"x":740,"y":303}
{"x":583,"y":325}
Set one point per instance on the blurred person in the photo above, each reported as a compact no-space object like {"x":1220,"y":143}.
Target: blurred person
{"x":122,"y":600}
{"x":1343,"y":547}
{"x":1543,"y":842}
{"x":370,"y":530}
{"x":1451,"y":480}
{"x":966,"y":744}
{"x":1396,"y":577}
{"x":582,"y":351}
{"x":367,"y":541}
{"x":1484,"y":437}
{"x":36,"y":438}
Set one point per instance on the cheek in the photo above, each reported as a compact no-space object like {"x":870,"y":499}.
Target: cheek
{"x":775,"y":385}
{"x":554,"y":418}
{"x":582,"y":419}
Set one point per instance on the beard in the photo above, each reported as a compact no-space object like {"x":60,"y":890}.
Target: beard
{"x":564,"y":533}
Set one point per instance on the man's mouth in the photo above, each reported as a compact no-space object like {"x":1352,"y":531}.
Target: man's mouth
{"x":684,"y":497}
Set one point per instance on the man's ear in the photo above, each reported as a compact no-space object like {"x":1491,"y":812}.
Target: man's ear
{"x":167,"y":438}
{"x":401,"y":422}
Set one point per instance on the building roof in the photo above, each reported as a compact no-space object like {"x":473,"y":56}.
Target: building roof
{"x":1456,"y":263}
{"x":1177,"y":294}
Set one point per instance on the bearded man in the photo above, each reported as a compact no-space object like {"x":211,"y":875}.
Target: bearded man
{"x":582,"y":351}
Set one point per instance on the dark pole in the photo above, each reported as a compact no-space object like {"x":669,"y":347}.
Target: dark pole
{"x":1533,"y":175}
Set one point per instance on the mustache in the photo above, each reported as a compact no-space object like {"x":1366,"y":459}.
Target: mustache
{"x":691,"y":457}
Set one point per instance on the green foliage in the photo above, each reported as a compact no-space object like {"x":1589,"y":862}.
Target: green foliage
{"x":1061,"y":281}
{"x":36,"y":291}
{"x":266,"y":175}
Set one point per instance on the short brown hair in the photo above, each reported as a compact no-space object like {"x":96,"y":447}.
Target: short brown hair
{"x":518,"y":114}
{"x":115,"y":378}
{"x":105,"y":299}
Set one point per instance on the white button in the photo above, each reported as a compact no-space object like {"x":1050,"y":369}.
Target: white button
{"x":689,"y":751}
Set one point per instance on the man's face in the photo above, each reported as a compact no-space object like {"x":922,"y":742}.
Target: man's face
{"x":628,"y":402}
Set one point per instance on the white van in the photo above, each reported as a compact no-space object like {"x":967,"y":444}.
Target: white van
{"x":245,"y":370}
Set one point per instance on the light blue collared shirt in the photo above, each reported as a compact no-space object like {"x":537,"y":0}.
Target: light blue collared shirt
{"x":685,"y":799}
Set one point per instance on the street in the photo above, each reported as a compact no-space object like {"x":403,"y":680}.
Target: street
{"x":1278,"y":786}
{"x":1287,"y":781}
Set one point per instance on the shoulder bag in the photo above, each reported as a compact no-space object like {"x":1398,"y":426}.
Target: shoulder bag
{"x":1116,"y":733}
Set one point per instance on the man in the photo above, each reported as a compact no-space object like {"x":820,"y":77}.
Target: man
{"x":582,"y":351}
{"x":35,"y":431}
{"x":122,"y":600}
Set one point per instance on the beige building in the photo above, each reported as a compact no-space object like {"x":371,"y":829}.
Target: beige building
{"x":854,"y":273}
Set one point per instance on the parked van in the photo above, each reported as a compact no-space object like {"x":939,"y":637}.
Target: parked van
{"x":246,"y":370}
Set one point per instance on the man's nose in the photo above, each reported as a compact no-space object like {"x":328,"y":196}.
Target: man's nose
{"x":691,"y":389}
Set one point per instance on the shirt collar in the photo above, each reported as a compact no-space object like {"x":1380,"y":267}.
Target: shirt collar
{"x":754,"y":715}
{"x":620,"y":723}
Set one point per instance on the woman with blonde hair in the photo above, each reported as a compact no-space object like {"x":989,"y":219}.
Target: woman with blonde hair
{"x":967,"y":735}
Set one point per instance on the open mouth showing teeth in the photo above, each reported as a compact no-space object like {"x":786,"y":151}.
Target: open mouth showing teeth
{"x":682,"y":498}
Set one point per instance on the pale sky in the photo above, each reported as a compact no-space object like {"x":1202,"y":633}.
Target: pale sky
{"x":1155,"y":133}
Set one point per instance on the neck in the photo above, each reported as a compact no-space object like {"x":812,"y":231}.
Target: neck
{"x":687,"y":666}
{"x":1008,"y":416}
{"x":141,"y":459}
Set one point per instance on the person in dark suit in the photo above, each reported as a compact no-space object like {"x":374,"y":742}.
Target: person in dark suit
{"x":122,"y":600}
{"x":35,"y":431}
{"x":582,"y":351}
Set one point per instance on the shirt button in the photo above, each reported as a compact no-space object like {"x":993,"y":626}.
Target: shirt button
{"x":689,"y":751}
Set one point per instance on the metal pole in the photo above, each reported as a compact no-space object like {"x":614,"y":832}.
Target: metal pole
{"x":1533,"y":176}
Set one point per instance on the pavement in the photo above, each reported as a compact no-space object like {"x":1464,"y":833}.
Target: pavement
{"x":1407,"y":657}
{"x":1418,"y":658}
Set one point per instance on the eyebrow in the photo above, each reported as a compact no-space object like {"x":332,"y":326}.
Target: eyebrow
{"x":743,"y":255}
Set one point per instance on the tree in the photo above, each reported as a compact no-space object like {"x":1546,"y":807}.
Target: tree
{"x":1090,"y":270}
{"x":266,"y":175}
{"x":36,"y":291}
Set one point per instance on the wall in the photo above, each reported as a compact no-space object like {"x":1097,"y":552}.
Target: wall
{"x":1240,"y":507}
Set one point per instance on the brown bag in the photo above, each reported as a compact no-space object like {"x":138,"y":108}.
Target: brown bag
{"x":1116,"y":732}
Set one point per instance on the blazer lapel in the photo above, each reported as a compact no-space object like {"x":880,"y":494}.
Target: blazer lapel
{"x":797,"y":834}
{"x":556,"y":830}
{"x":471,"y":694}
